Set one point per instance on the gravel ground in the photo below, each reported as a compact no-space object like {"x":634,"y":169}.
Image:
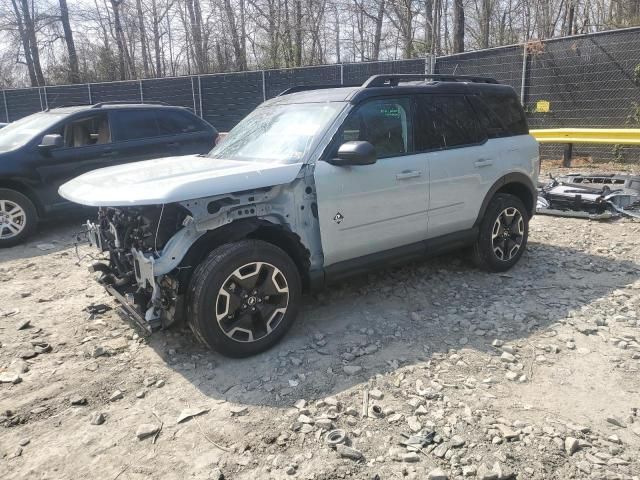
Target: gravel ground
{"x":532,"y":374}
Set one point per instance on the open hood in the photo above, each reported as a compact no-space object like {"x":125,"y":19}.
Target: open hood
{"x":173,"y":179}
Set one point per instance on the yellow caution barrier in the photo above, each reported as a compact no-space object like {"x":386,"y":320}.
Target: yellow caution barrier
{"x":621,"y":136}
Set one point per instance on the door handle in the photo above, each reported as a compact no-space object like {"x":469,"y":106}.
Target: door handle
{"x":408,"y":174}
{"x":173,"y":144}
{"x":483,"y":162}
{"x":109,"y":153}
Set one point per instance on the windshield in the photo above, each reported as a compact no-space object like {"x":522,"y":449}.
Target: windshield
{"x":18,"y":133}
{"x":277,"y":134}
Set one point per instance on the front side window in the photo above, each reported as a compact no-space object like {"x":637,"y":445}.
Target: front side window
{"x":86,"y":131}
{"x":277,"y":133}
{"x":20,"y":132}
{"x":385,"y":123}
{"x":446,"y":121}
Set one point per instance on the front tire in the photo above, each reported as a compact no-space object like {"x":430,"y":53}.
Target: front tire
{"x":18,"y":217}
{"x":244,"y":297}
{"x":503,"y":234}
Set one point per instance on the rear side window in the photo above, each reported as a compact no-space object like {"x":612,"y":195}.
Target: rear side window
{"x":136,"y":124}
{"x":385,"y":123}
{"x":445,"y":121}
{"x":172,"y":122}
{"x":508,"y":112}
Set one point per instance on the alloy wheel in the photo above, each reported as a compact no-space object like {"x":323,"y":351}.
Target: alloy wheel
{"x":507,"y":234}
{"x":13,"y":219}
{"x":252,"y":302}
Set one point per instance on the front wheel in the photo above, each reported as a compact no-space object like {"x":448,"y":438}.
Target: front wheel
{"x":503,"y":234}
{"x":244,"y":297}
{"x":18,"y":217}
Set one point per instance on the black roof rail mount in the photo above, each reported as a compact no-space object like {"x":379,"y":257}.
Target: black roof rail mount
{"x":102,"y":104}
{"x":392,"y":80}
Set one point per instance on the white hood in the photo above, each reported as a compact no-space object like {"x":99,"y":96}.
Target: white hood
{"x":172,"y":179}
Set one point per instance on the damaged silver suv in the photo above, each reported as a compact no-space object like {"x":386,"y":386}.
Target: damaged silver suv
{"x":314,"y":185}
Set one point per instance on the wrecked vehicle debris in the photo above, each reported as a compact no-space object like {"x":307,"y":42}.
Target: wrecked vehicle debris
{"x":295,"y":197}
{"x":626,"y":182}
{"x":596,"y":197}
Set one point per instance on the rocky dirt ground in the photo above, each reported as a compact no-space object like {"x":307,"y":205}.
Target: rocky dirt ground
{"x":530,"y":375}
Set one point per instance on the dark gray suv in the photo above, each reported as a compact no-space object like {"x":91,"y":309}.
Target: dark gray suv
{"x":42,"y":151}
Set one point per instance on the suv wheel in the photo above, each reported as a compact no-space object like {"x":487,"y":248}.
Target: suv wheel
{"x":503,"y":234}
{"x":18,"y":217}
{"x":244,"y":297}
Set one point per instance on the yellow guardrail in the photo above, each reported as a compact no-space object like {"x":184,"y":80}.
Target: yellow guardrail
{"x":621,"y":136}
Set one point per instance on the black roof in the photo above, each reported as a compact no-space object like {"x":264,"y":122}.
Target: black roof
{"x":389,"y":85}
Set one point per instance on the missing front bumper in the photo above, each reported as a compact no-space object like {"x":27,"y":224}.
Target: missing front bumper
{"x":132,"y":312}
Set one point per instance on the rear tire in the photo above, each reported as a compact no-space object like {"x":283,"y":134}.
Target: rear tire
{"x":18,"y":218}
{"x":503,"y":234}
{"x":244,"y":297}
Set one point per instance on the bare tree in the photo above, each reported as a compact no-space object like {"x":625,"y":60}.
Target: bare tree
{"x":31,"y":42}
{"x":402,"y":16}
{"x":74,"y":70}
{"x":458,"y":26}
{"x":238,"y":33}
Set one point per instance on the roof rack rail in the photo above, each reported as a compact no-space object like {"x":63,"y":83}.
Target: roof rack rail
{"x":304,"y":88}
{"x":115,"y":102}
{"x":392,"y":80}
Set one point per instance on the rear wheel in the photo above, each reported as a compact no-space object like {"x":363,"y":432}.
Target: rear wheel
{"x":18,"y":217}
{"x":244,"y":297}
{"x":503,"y":234}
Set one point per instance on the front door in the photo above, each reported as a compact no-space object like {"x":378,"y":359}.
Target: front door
{"x":86,"y":146}
{"x":366,"y":209}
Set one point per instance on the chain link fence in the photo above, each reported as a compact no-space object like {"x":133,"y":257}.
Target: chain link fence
{"x":581,"y":81}
{"x":590,"y":81}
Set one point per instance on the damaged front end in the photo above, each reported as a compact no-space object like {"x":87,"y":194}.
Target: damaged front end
{"x":132,"y":238}
{"x":152,"y":250}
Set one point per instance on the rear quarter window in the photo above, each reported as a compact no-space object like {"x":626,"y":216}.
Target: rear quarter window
{"x":502,"y":115}
{"x":136,"y":124}
{"x":176,"y":122}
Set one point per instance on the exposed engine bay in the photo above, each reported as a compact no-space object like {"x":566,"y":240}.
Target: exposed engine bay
{"x":130,"y":236}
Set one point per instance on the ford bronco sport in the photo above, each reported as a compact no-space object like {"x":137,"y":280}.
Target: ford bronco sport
{"x":314,"y":185}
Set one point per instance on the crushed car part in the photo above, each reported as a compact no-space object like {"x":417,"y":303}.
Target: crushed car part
{"x":627,"y":182}
{"x":595,"y":197}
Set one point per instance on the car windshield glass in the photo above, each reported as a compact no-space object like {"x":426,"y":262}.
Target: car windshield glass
{"x":18,"y":133}
{"x":277,"y":134}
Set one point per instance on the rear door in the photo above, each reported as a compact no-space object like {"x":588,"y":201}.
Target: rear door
{"x":137,"y":137}
{"x":503,"y":118}
{"x":462,"y":165}
{"x":184,"y":131}
{"x":366,"y":209}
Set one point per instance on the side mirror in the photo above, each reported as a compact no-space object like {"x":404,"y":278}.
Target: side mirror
{"x":49,"y":142}
{"x":355,"y":153}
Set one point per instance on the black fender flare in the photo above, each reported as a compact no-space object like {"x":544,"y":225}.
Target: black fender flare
{"x":510,"y":178}
{"x":237,"y":230}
